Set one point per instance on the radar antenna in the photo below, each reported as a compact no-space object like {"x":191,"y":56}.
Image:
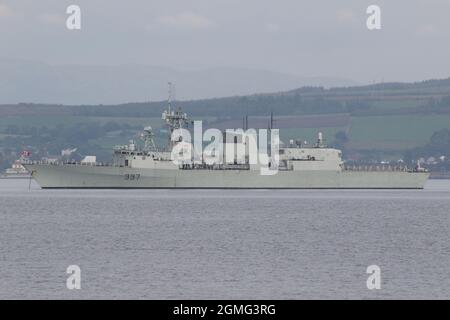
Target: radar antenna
{"x":147,"y":135}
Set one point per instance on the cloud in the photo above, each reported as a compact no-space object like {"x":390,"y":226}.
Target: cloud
{"x":272,"y":28}
{"x":345,"y":15}
{"x":52,"y":18}
{"x":427,"y":30}
{"x":186,"y":20}
{"x":5,"y":11}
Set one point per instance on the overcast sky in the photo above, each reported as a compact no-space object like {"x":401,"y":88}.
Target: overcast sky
{"x":307,"y":38}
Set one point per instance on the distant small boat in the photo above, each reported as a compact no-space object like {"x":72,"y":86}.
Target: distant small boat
{"x":17,"y":171}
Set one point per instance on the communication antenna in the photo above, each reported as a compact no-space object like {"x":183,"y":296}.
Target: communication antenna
{"x":245,"y":124}
{"x":270,"y":125}
{"x":175,"y":119}
{"x":171,"y":95}
{"x":271,"y":120}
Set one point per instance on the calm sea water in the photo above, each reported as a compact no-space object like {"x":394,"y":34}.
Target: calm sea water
{"x":224,"y":244}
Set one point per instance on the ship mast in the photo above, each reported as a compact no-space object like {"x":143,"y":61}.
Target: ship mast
{"x":174,"y":119}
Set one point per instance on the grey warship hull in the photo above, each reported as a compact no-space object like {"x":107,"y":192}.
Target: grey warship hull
{"x":112,"y":177}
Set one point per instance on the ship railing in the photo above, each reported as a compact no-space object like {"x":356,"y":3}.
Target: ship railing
{"x":204,"y":166}
{"x":376,"y":168}
{"x":71,"y":163}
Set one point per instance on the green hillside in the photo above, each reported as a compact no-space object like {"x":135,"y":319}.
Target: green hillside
{"x":385,"y":120}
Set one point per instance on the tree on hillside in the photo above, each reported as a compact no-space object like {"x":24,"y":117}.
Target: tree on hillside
{"x":340,"y":139}
{"x":439,"y":145}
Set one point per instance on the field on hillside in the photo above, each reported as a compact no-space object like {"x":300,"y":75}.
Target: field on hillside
{"x":396,"y":132}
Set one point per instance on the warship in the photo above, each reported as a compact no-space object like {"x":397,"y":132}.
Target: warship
{"x":298,"y":166}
